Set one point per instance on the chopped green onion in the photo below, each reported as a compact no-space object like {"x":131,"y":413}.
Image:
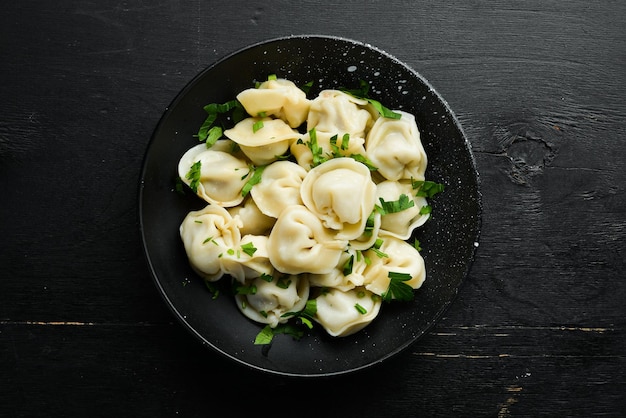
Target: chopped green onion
{"x":248,"y":248}
{"x":257,"y":125}
{"x":360,"y":309}
{"x":348,"y":265}
{"x":283,"y":284}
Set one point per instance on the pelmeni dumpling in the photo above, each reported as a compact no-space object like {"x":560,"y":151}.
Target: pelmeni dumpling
{"x":395,"y":148}
{"x":253,"y":221}
{"x":301,"y":149}
{"x":336,"y":112}
{"x":247,"y":260}
{"x":207,"y":234}
{"x":279,"y":187}
{"x":274,"y":298}
{"x":262,"y":140}
{"x":221,"y":174}
{"x":400,"y":257}
{"x":338,"y":313}
{"x":278,"y":97}
{"x":299,"y":243}
{"x":401,"y":224}
{"x":342,"y":194}
{"x":347,"y":275}
{"x":368,"y":238}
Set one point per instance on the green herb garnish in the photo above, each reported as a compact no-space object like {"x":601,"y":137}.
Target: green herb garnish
{"x":398,"y":289}
{"x":348,"y":265}
{"x":193,"y":175}
{"x":395,"y":206}
{"x":305,"y":316}
{"x":425,"y":188}
{"x":257,"y":125}
{"x":255,"y":178}
{"x":213,"y":110}
{"x":248,"y":248}
{"x":363,"y":93}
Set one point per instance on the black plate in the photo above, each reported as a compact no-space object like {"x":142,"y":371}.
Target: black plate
{"x":448,"y":239}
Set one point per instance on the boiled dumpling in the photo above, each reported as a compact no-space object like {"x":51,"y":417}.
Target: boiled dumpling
{"x":338,"y":313}
{"x":347,"y":275}
{"x":401,"y":224}
{"x":274,"y":297}
{"x":399,"y":257}
{"x":395,"y":148}
{"x":301,"y":149}
{"x":207,"y":235}
{"x":247,"y":260}
{"x":336,"y":112}
{"x":299,"y":243}
{"x":279,"y":187}
{"x":278,"y":97}
{"x":262,"y":140}
{"x":253,"y":221}
{"x":342,"y":194}
{"x":222,"y":175}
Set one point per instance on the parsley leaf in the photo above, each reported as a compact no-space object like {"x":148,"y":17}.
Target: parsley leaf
{"x":425,"y":188}
{"x":193,"y":175}
{"x":398,"y":289}
{"x":267,"y":333}
{"x":214,"y":110}
{"x":362,"y":93}
{"x":316,"y":150}
{"x":248,"y":248}
{"x":395,"y":206}
{"x":255,"y":178}
{"x":305,"y":316}
{"x":425,"y":210}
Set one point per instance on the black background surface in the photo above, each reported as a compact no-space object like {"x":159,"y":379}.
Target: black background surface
{"x":538,"y":327}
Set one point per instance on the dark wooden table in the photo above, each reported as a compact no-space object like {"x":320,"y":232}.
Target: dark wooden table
{"x":539,"y":325}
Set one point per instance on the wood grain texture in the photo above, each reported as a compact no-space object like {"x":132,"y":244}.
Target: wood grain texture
{"x":538,"y":328}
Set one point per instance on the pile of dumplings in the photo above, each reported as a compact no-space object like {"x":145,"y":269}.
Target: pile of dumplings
{"x":307,"y":229}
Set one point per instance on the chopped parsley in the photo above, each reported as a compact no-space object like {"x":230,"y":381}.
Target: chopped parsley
{"x":396,"y":206}
{"x":363,"y":93}
{"x":425,"y":188}
{"x":306,"y":87}
{"x":268,"y":278}
{"x":209,"y":131}
{"x":245,"y":290}
{"x":255,"y":178}
{"x":283,"y":284}
{"x":305,"y":316}
{"x":360,"y":309}
{"x":212,"y":288}
{"x":248,"y":248}
{"x":193,"y":175}
{"x":398,"y":289}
